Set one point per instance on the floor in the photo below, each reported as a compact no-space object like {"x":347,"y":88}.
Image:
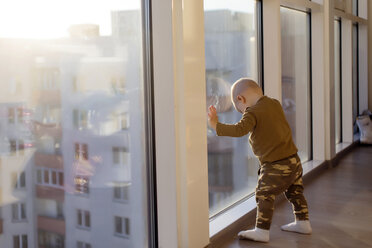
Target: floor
{"x":340,"y":207}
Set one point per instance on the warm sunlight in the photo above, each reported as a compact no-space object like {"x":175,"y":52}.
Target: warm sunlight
{"x":43,"y":19}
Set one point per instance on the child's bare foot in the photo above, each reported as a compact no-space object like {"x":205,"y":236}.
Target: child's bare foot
{"x":298,"y":226}
{"x":256,"y":234}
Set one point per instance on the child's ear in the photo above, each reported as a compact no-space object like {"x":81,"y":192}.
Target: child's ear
{"x":241,"y":98}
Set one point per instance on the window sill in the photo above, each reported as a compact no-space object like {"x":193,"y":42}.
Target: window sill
{"x":342,"y":146}
{"x":227,"y":218}
{"x":121,"y":201}
{"x":20,"y":221}
{"x":83,"y":228}
{"x":119,"y":235}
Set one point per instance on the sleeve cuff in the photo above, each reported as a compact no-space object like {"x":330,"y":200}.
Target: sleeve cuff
{"x":218,"y":128}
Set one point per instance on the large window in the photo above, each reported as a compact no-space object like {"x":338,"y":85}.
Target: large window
{"x":338,"y":78}
{"x":295,"y":32}
{"x":75,"y":85}
{"x":231,"y":52}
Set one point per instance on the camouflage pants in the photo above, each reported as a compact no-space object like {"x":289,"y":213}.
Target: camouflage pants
{"x":284,"y":176}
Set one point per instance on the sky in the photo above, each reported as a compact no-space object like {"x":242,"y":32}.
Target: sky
{"x":45,"y":19}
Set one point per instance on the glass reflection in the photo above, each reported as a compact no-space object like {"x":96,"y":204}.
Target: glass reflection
{"x":230,"y":53}
{"x":296,"y":77}
{"x":338,"y":102}
{"x":355,"y":75}
{"x":71,"y":130}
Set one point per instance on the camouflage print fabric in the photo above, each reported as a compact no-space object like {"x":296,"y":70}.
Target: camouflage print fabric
{"x":284,"y":176}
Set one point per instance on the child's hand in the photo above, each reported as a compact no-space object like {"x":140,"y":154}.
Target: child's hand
{"x":212,"y":117}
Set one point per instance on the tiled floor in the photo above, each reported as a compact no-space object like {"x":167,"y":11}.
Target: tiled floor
{"x":340,"y":205}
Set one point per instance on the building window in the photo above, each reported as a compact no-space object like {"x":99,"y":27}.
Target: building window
{"x":48,"y":78}
{"x":232,"y":51}
{"x":123,"y":121}
{"x":49,"y":177}
{"x":19,"y":212}
{"x":122,"y":226}
{"x":118,"y":85}
{"x":120,"y":155}
{"x":50,"y":239}
{"x":16,"y":146}
{"x":20,"y":241}
{"x":81,"y":118}
{"x":81,"y":151}
{"x":121,"y":191}
{"x":19,"y":180}
{"x":81,"y":185}
{"x":295,"y":35}
{"x":81,"y":244}
{"x":83,"y":219}
{"x":11,"y":115}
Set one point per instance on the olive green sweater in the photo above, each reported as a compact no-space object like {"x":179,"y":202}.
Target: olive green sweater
{"x":271,"y":137}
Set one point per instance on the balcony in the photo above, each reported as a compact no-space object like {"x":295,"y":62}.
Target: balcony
{"x":51,"y":97}
{"x":53,"y":130}
{"x":46,"y":192}
{"x":52,"y":161}
{"x":50,"y":224}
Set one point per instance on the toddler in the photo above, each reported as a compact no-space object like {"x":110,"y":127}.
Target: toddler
{"x":271,"y":141}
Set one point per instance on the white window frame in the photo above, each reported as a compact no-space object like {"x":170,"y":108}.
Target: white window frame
{"x":123,"y":156}
{"x":49,"y":172}
{"x":122,"y":186}
{"x":123,"y":117}
{"x":20,"y":236}
{"x":18,"y":207}
{"x":80,"y":156}
{"x":18,"y":181}
{"x":83,"y":219}
{"x":126,"y":232}
{"x":80,"y":123}
{"x":81,"y":244}
{"x":118,"y":84}
{"x":18,"y":149}
{"x":79,"y":192}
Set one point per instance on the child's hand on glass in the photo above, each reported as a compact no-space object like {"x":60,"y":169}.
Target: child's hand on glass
{"x":212,"y":117}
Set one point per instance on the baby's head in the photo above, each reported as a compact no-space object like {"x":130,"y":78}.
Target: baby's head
{"x":245,"y":93}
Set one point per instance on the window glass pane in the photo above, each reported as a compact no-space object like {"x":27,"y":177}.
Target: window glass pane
{"x":79,"y":218}
{"x":15,"y":213}
{"x":338,"y":103}
{"x":39,"y":176}
{"x":118,"y":225}
{"x":46,"y":176}
{"x":54,"y":177}
{"x":355,"y":7}
{"x":72,"y":88}
{"x":16,"y":242}
{"x":24,"y":241}
{"x":231,"y":48}
{"x":23,"y":211}
{"x":355,"y":75}
{"x":296,"y":77}
{"x":87,"y":219}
